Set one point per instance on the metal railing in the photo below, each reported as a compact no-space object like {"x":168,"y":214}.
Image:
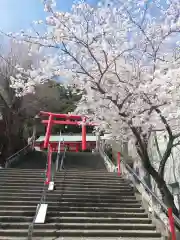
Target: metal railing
{"x":43,"y":196}
{"x":58,"y":152}
{"x":42,"y":200}
{"x":137,"y":178}
{"x":149,"y":191}
{"x":62,"y":159}
{"x":14,"y":157}
{"x":108,"y":163}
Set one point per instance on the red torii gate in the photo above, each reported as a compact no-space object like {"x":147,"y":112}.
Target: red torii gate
{"x":77,"y":120}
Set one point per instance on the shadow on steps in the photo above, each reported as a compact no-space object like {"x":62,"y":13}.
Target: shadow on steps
{"x":79,"y":161}
{"x":85,"y":160}
{"x":32,"y":160}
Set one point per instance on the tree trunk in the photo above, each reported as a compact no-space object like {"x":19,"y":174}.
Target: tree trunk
{"x":142,"y":149}
{"x":167,"y":197}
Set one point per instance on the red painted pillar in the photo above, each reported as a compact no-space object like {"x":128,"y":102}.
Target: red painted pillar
{"x":171,"y":224}
{"x":118,"y":163}
{"x":48,"y":173}
{"x":84,"y":134}
{"x":48,"y":132}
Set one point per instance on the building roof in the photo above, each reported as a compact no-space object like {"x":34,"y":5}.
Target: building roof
{"x":68,"y":138}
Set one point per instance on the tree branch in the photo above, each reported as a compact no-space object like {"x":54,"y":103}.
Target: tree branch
{"x":75,"y":59}
{"x":163,"y":119}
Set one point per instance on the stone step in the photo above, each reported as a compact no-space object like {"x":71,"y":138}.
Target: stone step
{"x":69,"y":196}
{"x":19,"y":170}
{"x":12,"y":204}
{"x":57,"y":183}
{"x":79,"y":226}
{"x":61,"y":188}
{"x":84,"y":205}
{"x":62,"y":174}
{"x":98,"y":220}
{"x":79,"y":208}
{"x":82,"y":238}
{"x":97,"y":193}
{"x":49,"y":219}
{"x":67,"y":171}
{"x":81,"y":233}
{"x":125,"y":200}
{"x":90,"y":213}
{"x":58,"y":180}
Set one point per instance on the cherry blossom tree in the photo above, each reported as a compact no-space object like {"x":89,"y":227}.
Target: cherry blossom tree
{"x":125,"y":58}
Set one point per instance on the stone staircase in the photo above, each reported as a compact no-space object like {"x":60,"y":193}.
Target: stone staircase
{"x":85,"y":205}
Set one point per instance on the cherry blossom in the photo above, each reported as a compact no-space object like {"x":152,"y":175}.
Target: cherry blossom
{"x":125,"y":57}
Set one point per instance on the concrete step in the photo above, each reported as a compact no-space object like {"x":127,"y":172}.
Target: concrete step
{"x":76,"y":219}
{"x":79,"y":212}
{"x":86,"y":197}
{"x":90,"y":226}
{"x":19,"y":170}
{"x":13,"y":204}
{"x":80,"y":208}
{"x":90,"y":212}
{"x":59,"y":174}
{"x":98,"y":193}
{"x":98,"y":220}
{"x":81,"y":233}
{"x":63,"y":171}
{"x":60,"y":186}
{"x":40,"y":184}
{"x":35,"y":174}
{"x":60,"y":181}
{"x":68,"y":188}
{"x":81,"y":238}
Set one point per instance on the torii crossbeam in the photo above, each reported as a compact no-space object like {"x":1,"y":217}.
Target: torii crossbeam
{"x":66,"y":119}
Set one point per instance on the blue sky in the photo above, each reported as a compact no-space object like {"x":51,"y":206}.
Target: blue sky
{"x":19,"y":14}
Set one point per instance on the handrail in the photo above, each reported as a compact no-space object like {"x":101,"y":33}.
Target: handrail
{"x":107,"y":160}
{"x":58,"y":153}
{"x":16,"y":154}
{"x":164,"y":207}
{"x":62,"y":159}
{"x":42,"y":199}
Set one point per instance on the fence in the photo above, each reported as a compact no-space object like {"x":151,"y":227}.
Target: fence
{"x":156,"y":206}
{"x":16,"y":156}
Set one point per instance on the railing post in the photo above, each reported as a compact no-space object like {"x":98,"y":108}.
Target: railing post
{"x":118,"y":163}
{"x":171,"y":224}
{"x":48,"y":174}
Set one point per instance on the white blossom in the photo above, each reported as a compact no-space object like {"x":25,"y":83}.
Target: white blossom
{"x":125,"y":57}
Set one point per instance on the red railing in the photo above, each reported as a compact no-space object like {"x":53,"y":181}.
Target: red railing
{"x":171,"y":224}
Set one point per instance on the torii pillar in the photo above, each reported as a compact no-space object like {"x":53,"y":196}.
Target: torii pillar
{"x":84,"y":145}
